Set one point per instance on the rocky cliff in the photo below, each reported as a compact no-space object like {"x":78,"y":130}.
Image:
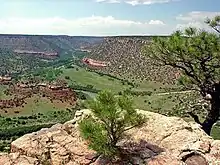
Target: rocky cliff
{"x":160,"y":141}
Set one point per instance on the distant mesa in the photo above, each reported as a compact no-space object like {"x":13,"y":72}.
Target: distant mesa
{"x":94,"y":63}
{"x":5,"y":78}
{"x":48,"y":46}
{"x":85,"y":48}
{"x":53,"y":54}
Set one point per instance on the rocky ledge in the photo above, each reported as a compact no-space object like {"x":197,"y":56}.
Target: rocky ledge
{"x":161,"y":141}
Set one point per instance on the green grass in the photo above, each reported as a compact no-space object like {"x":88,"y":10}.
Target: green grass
{"x":152,"y":86}
{"x":40,"y":105}
{"x":36,"y":118}
{"x":35,"y":105}
{"x":84,"y":77}
{"x":155,"y":103}
{"x":216,"y":132}
{"x":2,"y":94}
{"x":160,"y":104}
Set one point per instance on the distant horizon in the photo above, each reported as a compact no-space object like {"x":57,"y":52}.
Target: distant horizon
{"x":80,"y":35}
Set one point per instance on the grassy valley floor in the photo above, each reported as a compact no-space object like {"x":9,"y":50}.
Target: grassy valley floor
{"x":39,"y":112}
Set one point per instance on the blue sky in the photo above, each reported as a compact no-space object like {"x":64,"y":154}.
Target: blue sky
{"x":104,"y":17}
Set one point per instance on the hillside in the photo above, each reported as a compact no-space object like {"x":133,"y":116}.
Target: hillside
{"x":126,"y":60}
{"x":33,"y":44}
{"x":123,"y":54}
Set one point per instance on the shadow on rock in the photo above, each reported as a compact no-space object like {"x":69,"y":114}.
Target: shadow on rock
{"x":132,"y":153}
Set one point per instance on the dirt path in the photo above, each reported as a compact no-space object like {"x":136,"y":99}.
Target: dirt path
{"x":168,"y":93}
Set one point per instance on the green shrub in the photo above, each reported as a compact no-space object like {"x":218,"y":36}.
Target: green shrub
{"x":21,"y":130}
{"x":113,"y":115}
{"x":67,"y":77}
{"x":8,"y":119}
{"x":81,"y":95}
{"x":89,"y":86}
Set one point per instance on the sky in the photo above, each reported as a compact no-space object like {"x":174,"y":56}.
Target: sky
{"x":104,"y":17}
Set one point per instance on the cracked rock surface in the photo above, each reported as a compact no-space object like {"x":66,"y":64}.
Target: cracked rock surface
{"x":160,"y":141}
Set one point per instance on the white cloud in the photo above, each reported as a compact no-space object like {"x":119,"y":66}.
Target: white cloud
{"x":156,"y":22}
{"x":109,"y":1}
{"x":195,"y":19}
{"x":94,"y":25}
{"x":133,"y":3}
{"x":101,"y":26}
{"x":137,"y":2}
{"x":197,"y":16}
{"x":146,"y":2}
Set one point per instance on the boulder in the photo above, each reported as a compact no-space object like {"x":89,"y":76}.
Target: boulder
{"x":17,"y":159}
{"x":160,"y":141}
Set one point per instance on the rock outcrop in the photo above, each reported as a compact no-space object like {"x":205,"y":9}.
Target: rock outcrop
{"x":160,"y":141}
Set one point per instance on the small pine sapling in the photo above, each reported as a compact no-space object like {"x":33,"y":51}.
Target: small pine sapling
{"x":111,"y":117}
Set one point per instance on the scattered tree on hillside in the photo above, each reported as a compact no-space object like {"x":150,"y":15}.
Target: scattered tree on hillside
{"x":7,"y":62}
{"x":49,"y":74}
{"x":197,"y":54}
{"x":112,"y":116}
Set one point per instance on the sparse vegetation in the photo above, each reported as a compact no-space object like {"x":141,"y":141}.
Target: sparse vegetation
{"x":126,"y":61}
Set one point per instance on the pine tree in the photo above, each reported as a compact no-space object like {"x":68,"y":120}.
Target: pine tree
{"x":196,"y":53}
{"x":112,"y":116}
